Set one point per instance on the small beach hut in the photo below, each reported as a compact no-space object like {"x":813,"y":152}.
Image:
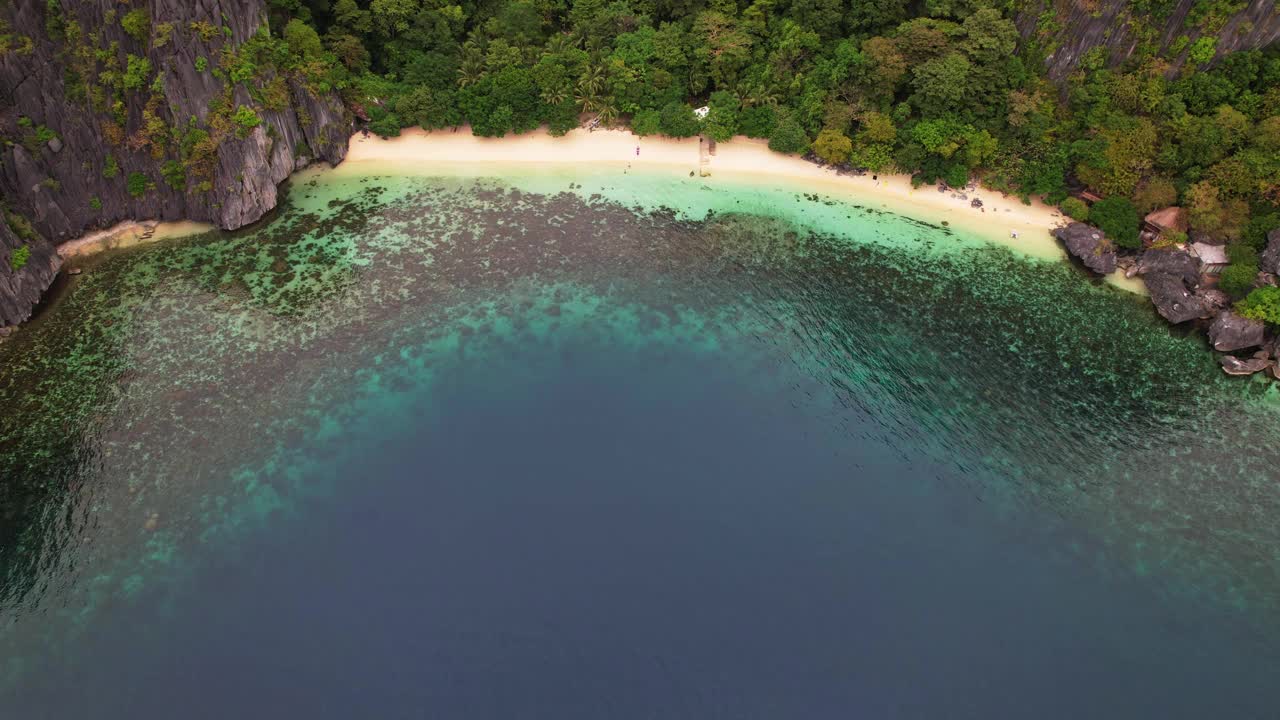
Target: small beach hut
{"x":1212,"y":257}
{"x":1166,"y":219}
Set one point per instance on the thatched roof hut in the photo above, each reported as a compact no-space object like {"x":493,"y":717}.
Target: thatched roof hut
{"x":1170,"y":218}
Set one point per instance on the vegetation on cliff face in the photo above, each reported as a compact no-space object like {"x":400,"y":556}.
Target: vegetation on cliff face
{"x":164,"y":109}
{"x":18,"y":258}
{"x":1180,"y":33}
{"x":156,"y":108}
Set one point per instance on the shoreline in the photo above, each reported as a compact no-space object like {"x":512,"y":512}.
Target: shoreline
{"x":745,"y":160}
{"x":742,"y":159}
{"x":129,"y":233}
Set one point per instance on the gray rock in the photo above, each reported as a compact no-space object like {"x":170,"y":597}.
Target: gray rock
{"x":1172,"y":299}
{"x":1230,"y":331}
{"x":1089,"y":245}
{"x":1171,"y":262}
{"x":245,"y":171}
{"x":1214,"y":299}
{"x":1269,"y":260}
{"x":1233,"y":365}
{"x":20,"y":290}
{"x":1107,"y":28}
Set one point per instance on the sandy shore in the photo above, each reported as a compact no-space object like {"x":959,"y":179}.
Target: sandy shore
{"x":128,"y":234}
{"x":1001,"y":219}
{"x":742,"y":159}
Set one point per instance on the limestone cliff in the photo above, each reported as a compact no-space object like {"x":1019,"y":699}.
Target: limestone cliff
{"x":165,"y":109}
{"x":1177,"y":30}
{"x":24,"y":273}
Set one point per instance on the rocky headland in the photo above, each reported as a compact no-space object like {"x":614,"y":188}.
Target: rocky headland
{"x":168,"y":111}
{"x":1183,"y":287}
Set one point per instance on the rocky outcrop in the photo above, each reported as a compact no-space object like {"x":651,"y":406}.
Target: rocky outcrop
{"x":1269,"y":260}
{"x":118,"y":111}
{"x":1229,"y":332}
{"x":1089,"y":245}
{"x":1171,"y":277}
{"x":1213,"y":300}
{"x":1173,"y":299}
{"x":27,"y":267}
{"x":109,"y":131}
{"x":1067,"y":31}
{"x":1233,"y":365}
{"x":1171,"y":262}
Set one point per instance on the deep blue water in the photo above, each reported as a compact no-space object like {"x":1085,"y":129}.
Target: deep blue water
{"x":592,"y":533}
{"x":432,"y":448}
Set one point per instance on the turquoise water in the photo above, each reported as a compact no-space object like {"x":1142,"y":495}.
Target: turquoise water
{"x":687,"y":427}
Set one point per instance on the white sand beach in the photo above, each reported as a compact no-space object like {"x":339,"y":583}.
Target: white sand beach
{"x":741,"y":160}
{"x":1001,"y":219}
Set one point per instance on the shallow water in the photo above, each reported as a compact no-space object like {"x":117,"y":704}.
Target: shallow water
{"x":575,"y":444}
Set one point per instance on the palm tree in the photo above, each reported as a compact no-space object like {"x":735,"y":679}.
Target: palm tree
{"x":757,"y":93}
{"x":589,"y":102}
{"x":554,"y":96}
{"x":608,"y":113}
{"x":592,"y":81}
{"x":471,"y":71}
{"x":558,"y":44}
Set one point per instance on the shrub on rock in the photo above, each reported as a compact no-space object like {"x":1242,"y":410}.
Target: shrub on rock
{"x":1075,"y":208}
{"x":1262,"y":304}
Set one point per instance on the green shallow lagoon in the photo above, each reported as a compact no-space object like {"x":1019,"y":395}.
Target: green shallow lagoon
{"x":180,"y":400}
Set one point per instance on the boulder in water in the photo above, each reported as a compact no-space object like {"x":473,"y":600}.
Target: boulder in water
{"x":1089,"y":245}
{"x":1230,"y":331}
{"x":1233,"y":365}
{"x":1172,"y":299}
